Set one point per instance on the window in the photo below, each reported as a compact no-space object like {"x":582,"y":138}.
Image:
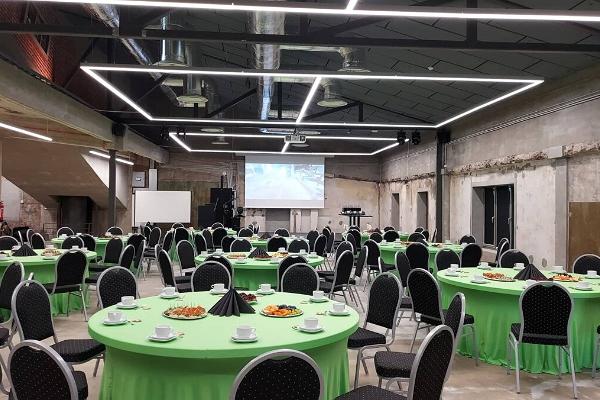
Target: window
{"x":32,"y":16}
{"x":493,"y":212}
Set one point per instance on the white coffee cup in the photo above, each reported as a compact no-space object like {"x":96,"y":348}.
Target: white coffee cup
{"x":478,"y":277}
{"x":115,"y":316}
{"x":15,"y":248}
{"x":584,"y":285}
{"x":3,"y":256}
{"x":281,"y":249}
{"x":530,"y":282}
{"x":338,"y":307}
{"x":162,"y":331}
{"x":592,"y":272}
{"x":218,"y":287}
{"x":169,"y":291}
{"x":484,"y":264}
{"x":453,"y":267}
{"x":79,"y":233}
{"x":218,"y":251}
{"x":302,"y":251}
{"x":84,"y":249}
{"x":62,"y":236}
{"x":318,"y":294}
{"x":313,"y":253}
{"x":558,"y":268}
{"x":265,"y":287}
{"x":448,"y":241}
{"x":75,"y":247}
{"x":244,"y":331}
{"x":50,"y":246}
{"x":519,"y":265}
{"x":311,"y":322}
{"x":204,"y":253}
{"x":127,"y":300}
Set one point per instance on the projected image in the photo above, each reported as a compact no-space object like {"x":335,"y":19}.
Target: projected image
{"x":295,"y":183}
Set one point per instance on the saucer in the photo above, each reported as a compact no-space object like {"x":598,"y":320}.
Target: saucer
{"x":240,"y":261}
{"x":591,"y":276}
{"x":212,"y":291}
{"x":315,"y":300}
{"x":310,"y":330}
{"x":249,"y":339}
{"x":482,"y":267}
{"x":583,"y":288}
{"x":313,"y":256}
{"x":122,"y":321}
{"x":155,"y":338}
{"x":268,"y":292}
{"x":338,"y":313}
{"x":168,"y":297}
{"x":129,"y":307}
{"x":449,"y":273}
{"x":518,"y":268}
{"x":479,"y":281}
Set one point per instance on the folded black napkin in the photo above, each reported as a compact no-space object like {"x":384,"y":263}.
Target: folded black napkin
{"x":25,"y":251}
{"x":530,"y":272}
{"x":258,"y":252}
{"x":265,"y":235}
{"x":231,"y":304}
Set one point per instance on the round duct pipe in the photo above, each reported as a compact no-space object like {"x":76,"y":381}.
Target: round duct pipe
{"x":331,"y":97}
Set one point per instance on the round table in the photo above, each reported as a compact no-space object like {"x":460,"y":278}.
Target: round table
{"x":44,"y":272}
{"x":495,"y":306}
{"x":251,"y":273}
{"x":262,"y":243}
{"x":100,"y":243}
{"x":203,"y":363}
{"x":364,"y":236}
{"x":389,"y":250}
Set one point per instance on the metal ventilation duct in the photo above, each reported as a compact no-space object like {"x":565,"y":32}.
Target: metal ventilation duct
{"x":353,"y":59}
{"x":193,"y":92}
{"x":172,"y":53}
{"x":331,"y":97}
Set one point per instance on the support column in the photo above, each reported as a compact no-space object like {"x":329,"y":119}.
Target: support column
{"x":561,"y":231}
{"x":112,"y":188}
{"x":443,"y":136}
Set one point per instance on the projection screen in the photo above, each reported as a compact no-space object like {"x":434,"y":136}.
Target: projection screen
{"x":162,"y":206}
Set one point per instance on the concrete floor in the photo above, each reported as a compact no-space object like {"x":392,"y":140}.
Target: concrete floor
{"x":466,"y":381}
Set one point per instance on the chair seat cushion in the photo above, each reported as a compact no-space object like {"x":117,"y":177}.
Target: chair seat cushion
{"x":99,"y":267}
{"x":394,"y":364}
{"x":92,"y":279}
{"x":326,"y":274}
{"x":364,"y":337}
{"x":326,"y":287}
{"x":406,"y":303}
{"x":370,"y":393}
{"x":4,"y":334}
{"x":184,"y":287}
{"x":60,"y":289}
{"x":515,"y":329}
{"x":82,"y":386}
{"x":149,"y":253}
{"x":469,"y":319}
{"x":78,"y":350}
{"x":183,"y":279}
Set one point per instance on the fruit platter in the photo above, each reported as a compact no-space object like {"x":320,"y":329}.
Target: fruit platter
{"x":51,"y":253}
{"x":236,"y":256}
{"x":564,"y":277}
{"x":496,"y":276}
{"x":249,"y":298}
{"x":185,"y":312}
{"x":281,"y":311}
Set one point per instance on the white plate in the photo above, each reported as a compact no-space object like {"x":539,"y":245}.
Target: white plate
{"x":169,"y":297}
{"x":313,"y":256}
{"x":485,"y":268}
{"x":155,"y":338}
{"x":591,"y":276}
{"x":310,"y":330}
{"x":478,"y":282}
{"x":321,"y":300}
{"x":582,"y":288}
{"x":110,"y":323}
{"x":268,"y":292}
{"x":241,"y":261}
{"x":339,"y":313}
{"x":451,"y":273}
{"x":249,"y":339}
{"x":124,"y":307}
{"x":518,"y":268}
{"x":212,"y":291}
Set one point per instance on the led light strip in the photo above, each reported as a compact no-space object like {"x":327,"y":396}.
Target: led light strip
{"x":104,"y":155}
{"x":25,"y":132}
{"x":285,"y":147}
{"x":372,"y":11}
{"x":351,"y":4}
{"x":308,"y":100}
{"x":281,"y":137}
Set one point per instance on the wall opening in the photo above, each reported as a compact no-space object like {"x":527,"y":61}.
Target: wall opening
{"x":423,"y":210}
{"x":492,"y":214}
{"x":395,"y":219}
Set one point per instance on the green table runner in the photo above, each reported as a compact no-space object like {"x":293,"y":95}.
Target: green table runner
{"x":495,"y":305}
{"x":254,"y":272}
{"x":389,"y":250}
{"x":203,"y":363}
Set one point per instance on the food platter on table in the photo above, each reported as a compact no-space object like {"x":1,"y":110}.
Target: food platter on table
{"x":497,"y":276}
{"x":185,"y":312}
{"x":281,"y":311}
{"x":236,"y":256}
{"x":564,"y":277}
{"x":249,"y":298}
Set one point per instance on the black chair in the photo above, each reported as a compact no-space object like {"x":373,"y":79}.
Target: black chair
{"x":376,"y":236}
{"x":153,"y":240}
{"x":71,"y":241}
{"x":180,"y":234}
{"x":298,"y":244}
{"x":585,"y":263}
{"x":503,"y":245}
{"x":342,"y":247}
{"x":216,"y":225}
{"x":37,"y":242}
{"x":146,"y":231}
{"x":427,"y":302}
{"x":208,"y":238}
{"x":511,"y":257}
{"x":320,"y":244}
{"x":226,"y":243}
{"x":429,"y":371}
{"x":114,"y":283}
{"x":282,"y":232}
{"x":298,"y":378}
{"x":350,"y":239}
{"x":217,"y":236}
{"x":115,"y":230}
{"x":418,"y":255}
{"x":286,"y":263}
{"x":65,"y":230}
{"x":167,"y":241}
{"x":177,"y":225}
{"x":276,"y":242}
{"x":69,"y":275}
{"x":326,"y":231}
{"x":467,"y":239}
{"x":328,"y":245}
{"x":207,"y":274}
{"x":546,"y":309}
{"x":360,"y":264}
{"x":445,"y":258}
{"x":245,"y":232}
{"x":356,"y":235}
{"x":223,"y":261}
{"x":7,"y":242}
{"x":389,"y":228}
{"x":13,"y":275}
{"x":136,"y":240}
{"x":419,"y":229}
{"x":356,"y":227}
{"x":255,"y":228}
{"x":299,"y":278}
{"x":382,"y":308}
{"x":167,"y":274}
{"x":403,"y":267}
{"x":241,"y":245}
{"x":373,"y":256}
{"x":417,"y":237}
{"x":312,"y":237}
{"x":391,"y":236}
{"x":112,"y":255}
{"x":137,"y":259}
{"x":33,"y":316}
{"x":200,"y":243}
{"x":471,"y":255}
{"x":396,"y":366}
{"x":341,"y":277}
{"x":88,"y":241}
{"x":425,"y":234}
{"x":37,"y":372}
{"x":186,"y":254}
{"x":125,"y":260}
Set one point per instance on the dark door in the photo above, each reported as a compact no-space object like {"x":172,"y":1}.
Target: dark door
{"x":490,"y":212}
{"x":504,"y":213}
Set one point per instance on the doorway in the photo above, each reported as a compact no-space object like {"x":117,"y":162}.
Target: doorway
{"x":493,"y":214}
{"x":423,"y":210}
{"x":395,"y":217}
{"x":584,"y":219}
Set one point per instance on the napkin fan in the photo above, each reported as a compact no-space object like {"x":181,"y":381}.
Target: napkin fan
{"x":530,"y":272}
{"x":258,"y":252}
{"x":265,"y":235}
{"x":231,"y":304}
{"x":25,"y":251}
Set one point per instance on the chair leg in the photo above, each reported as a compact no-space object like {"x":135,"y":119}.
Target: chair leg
{"x":357,"y":370}
{"x":508,"y":356}
{"x":517,"y":367}
{"x":364,"y":364}
{"x":595,"y":360}
{"x":85,"y":316}
{"x":475,"y":345}
{"x":380,"y":381}
{"x":362,"y":307}
{"x":559,"y":363}
{"x":68,"y":302}
{"x":414,"y":337}
{"x":572,"y":367}
{"x":96,"y":367}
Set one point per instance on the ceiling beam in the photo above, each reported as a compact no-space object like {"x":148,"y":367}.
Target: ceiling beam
{"x":232,"y":103}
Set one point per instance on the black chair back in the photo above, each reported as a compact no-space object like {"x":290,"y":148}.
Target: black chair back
{"x":168,"y":241}
{"x":70,"y":269}
{"x":147,"y":231}
{"x":444,"y":258}
{"x":356,"y":235}
{"x":455,"y":316}
{"x":501,"y":248}
{"x":207,"y":274}
{"x":208,"y":238}
{"x":245,"y":232}
{"x":320,"y":244}
{"x":299,"y":278}
{"x":282,"y":232}
{"x":241,"y":245}
{"x":467,"y":239}
{"x":217,"y":236}
{"x":425,"y":234}
{"x":276,"y":242}
{"x":312,"y":237}
{"x":180,"y":234}
{"x":298,"y":244}
{"x":343,"y":269}
{"x":389,"y":228}
{"x":127,"y":256}
{"x":356,"y":227}
{"x":88,"y":241}
{"x":223,"y":261}
{"x":344,"y":246}
{"x":65,"y":230}
{"x":471,"y":255}
{"x":28,"y":235}
{"x":216,"y":225}
{"x":37,"y":372}
{"x":37,"y":242}
{"x":361,"y":261}
{"x":136,"y":240}
{"x":137,"y":259}
{"x":350,"y":239}
{"x":385,"y":296}
{"x":114,"y":283}
{"x":329,"y":243}
{"x":585,"y":263}
{"x":115,"y":230}
{"x":13,"y":275}
{"x":418,"y":255}
{"x":71,"y":241}
{"x":298,"y":378}
{"x":30,"y":305}
{"x":545,"y":314}
{"x":7,"y":242}
{"x":200,"y":243}
{"x":177,"y":225}
{"x":419,"y":229}
{"x":426,"y":296}
{"x":403,"y":267}
{"x":166,"y":268}
{"x":113,"y":251}
{"x":374,"y":253}
{"x":326,"y":231}
{"x":286,"y":263}
{"x":376,"y":237}
{"x":391,"y":236}
{"x":510,"y":257}
{"x":226,"y":243}
{"x":154,"y":236}
{"x":417,"y":237}
{"x":185,"y":253}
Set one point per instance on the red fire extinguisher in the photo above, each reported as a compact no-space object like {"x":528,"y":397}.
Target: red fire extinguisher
{"x":1,"y":211}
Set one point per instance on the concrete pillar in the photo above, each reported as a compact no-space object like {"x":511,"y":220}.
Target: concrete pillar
{"x":440,"y":163}
{"x":112,"y":188}
{"x":561,"y":240}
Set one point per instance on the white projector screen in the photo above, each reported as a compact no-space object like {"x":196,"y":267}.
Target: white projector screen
{"x":162,"y":206}
{"x":284,"y":182}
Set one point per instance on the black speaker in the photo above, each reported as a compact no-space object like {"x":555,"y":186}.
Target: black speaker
{"x":206,"y":215}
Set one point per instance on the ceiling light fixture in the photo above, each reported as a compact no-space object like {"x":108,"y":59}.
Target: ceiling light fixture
{"x":278,"y":137}
{"x":104,"y":155}
{"x":351,"y":4}
{"x":25,"y":132}
{"x":365,"y":11}
{"x":416,"y":138}
{"x":285,"y":147}
{"x":308,"y":100}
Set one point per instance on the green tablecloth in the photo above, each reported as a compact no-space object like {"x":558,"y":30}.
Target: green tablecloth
{"x":495,"y":305}
{"x":203,"y":363}
{"x":100,"y":243}
{"x":262,"y":243}
{"x":364,"y":236}
{"x":43,"y":270}
{"x":389,"y":250}
{"x":254,"y":272}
